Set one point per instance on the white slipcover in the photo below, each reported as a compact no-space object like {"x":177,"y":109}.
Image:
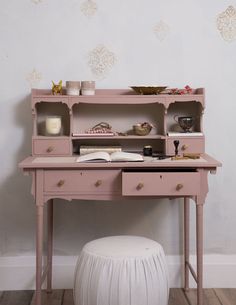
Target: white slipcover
{"x":121,"y":270}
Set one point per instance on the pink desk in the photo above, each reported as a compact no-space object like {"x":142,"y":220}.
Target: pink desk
{"x":62,"y":177}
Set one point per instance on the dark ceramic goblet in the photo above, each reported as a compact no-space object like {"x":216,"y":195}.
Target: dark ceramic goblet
{"x":185,"y":122}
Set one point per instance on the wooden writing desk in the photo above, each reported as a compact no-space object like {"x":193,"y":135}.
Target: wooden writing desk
{"x":62,"y":177}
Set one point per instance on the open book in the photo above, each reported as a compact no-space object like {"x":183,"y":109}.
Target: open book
{"x":103,"y":156}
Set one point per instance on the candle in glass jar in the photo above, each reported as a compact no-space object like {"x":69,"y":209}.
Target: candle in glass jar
{"x":53,"y":125}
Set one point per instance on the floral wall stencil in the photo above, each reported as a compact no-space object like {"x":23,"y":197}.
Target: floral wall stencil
{"x":161,"y":30}
{"x":34,"y":78}
{"x":89,"y":8}
{"x":226,"y":24}
{"x":100,"y":61}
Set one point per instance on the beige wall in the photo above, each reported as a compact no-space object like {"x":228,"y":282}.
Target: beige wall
{"x":162,"y":42}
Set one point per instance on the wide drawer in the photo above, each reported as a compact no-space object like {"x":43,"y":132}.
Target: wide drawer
{"x":83,"y":181}
{"x":186,"y":145}
{"x":52,"y":147}
{"x":160,"y":183}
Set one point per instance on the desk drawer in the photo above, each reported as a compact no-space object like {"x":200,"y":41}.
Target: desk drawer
{"x":82,"y":181}
{"x":186,"y":145}
{"x":53,"y":147}
{"x":160,"y":184}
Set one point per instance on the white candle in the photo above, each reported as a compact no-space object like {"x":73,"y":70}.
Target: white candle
{"x":88,"y":87}
{"x":88,"y":91}
{"x":73,"y":87}
{"x":72,"y":91}
{"x":53,"y":125}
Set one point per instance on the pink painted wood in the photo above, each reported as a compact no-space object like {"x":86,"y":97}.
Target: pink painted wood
{"x":186,"y":243}
{"x":117,"y":96}
{"x":82,"y":181}
{"x":51,"y":147}
{"x":160,"y":184}
{"x":109,"y":97}
{"x":50,"y":245}
{"x":108,"y":181}
{"x":208,"y":163}
{"x":186,"y":145}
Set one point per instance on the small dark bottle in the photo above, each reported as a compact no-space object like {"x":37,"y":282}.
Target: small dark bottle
{"x":147,"y":150}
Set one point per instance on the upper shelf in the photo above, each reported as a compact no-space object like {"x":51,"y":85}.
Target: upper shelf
{"x":117,"y":96}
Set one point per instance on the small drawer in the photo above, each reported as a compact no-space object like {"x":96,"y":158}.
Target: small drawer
{"x":186,"y":145}
{"x":83,"y":181}
{"x":54,"y":147}
{"x":160,"y":184}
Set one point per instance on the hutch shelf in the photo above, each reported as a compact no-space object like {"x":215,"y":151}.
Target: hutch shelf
{"x":121,"y":108}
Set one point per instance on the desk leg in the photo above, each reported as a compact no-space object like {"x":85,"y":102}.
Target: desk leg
{"x":186,"y":243}
{"x":199,"y":240}
{"x":50,"y":245}
{"x":39,"y":252}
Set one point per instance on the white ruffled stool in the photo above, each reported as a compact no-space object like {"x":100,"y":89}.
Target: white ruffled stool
{"x":121,"y":270}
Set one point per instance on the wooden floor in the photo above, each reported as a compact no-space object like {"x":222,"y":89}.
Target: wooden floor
{"x":65,"y":297}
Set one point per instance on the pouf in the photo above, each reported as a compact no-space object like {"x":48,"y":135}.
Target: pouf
{"x":121,"y":270}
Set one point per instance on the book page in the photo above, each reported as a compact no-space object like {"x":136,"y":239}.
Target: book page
{"x":100,"y":156}
{"x":125,"y":156}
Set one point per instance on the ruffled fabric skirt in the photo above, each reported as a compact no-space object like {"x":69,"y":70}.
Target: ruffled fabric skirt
{"x":121,"y":270}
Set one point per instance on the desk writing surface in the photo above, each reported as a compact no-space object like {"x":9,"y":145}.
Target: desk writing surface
{"x":205,"y":161}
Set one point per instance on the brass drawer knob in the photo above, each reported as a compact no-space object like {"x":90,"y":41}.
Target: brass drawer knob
{"x":98,"y":183}
{"x":60,"y":183}
{"x":49,"y":149}
{"x":184,"y":147}
{"x":179,"y":186}
{"x":140,"y":186}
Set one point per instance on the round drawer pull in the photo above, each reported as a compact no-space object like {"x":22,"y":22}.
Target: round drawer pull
{"x":184,"y":147}
{"x":49,"y":149}
{"x":140,"y":186}
{"x":179,"y":186}
{"x":60,"y":183}
{"x":98,"y":183}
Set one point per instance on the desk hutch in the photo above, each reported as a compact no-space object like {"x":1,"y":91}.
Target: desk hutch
{"x":56,"y":174}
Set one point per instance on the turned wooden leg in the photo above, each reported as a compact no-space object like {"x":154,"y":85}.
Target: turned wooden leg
{"x":186,"y":243}
{"x":39,"y":252}
{"x":50,"y":244}
{"x":199,"y":241}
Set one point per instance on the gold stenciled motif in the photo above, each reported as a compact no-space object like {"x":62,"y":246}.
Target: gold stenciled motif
{"x":226,"y":24}
{"x":34,"y":78}
{"x":100,"y":61}
{"x":88,"y":8}
{"x":161,"y":30}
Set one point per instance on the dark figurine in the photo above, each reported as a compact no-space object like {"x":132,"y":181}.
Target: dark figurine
{"x":176,"y":144}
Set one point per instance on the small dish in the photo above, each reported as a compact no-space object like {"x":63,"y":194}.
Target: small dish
{"x":149,"y":90}
{"x":142,"y":129}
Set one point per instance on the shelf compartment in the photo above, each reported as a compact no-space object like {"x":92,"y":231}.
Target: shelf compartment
{"x":120,"y":117}
{"x":193,"y":109}
{"x":136,"y":145}
{"x":45,"y":109}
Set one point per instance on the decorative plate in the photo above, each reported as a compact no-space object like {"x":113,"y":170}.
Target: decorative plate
{"x":148,"y":90}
